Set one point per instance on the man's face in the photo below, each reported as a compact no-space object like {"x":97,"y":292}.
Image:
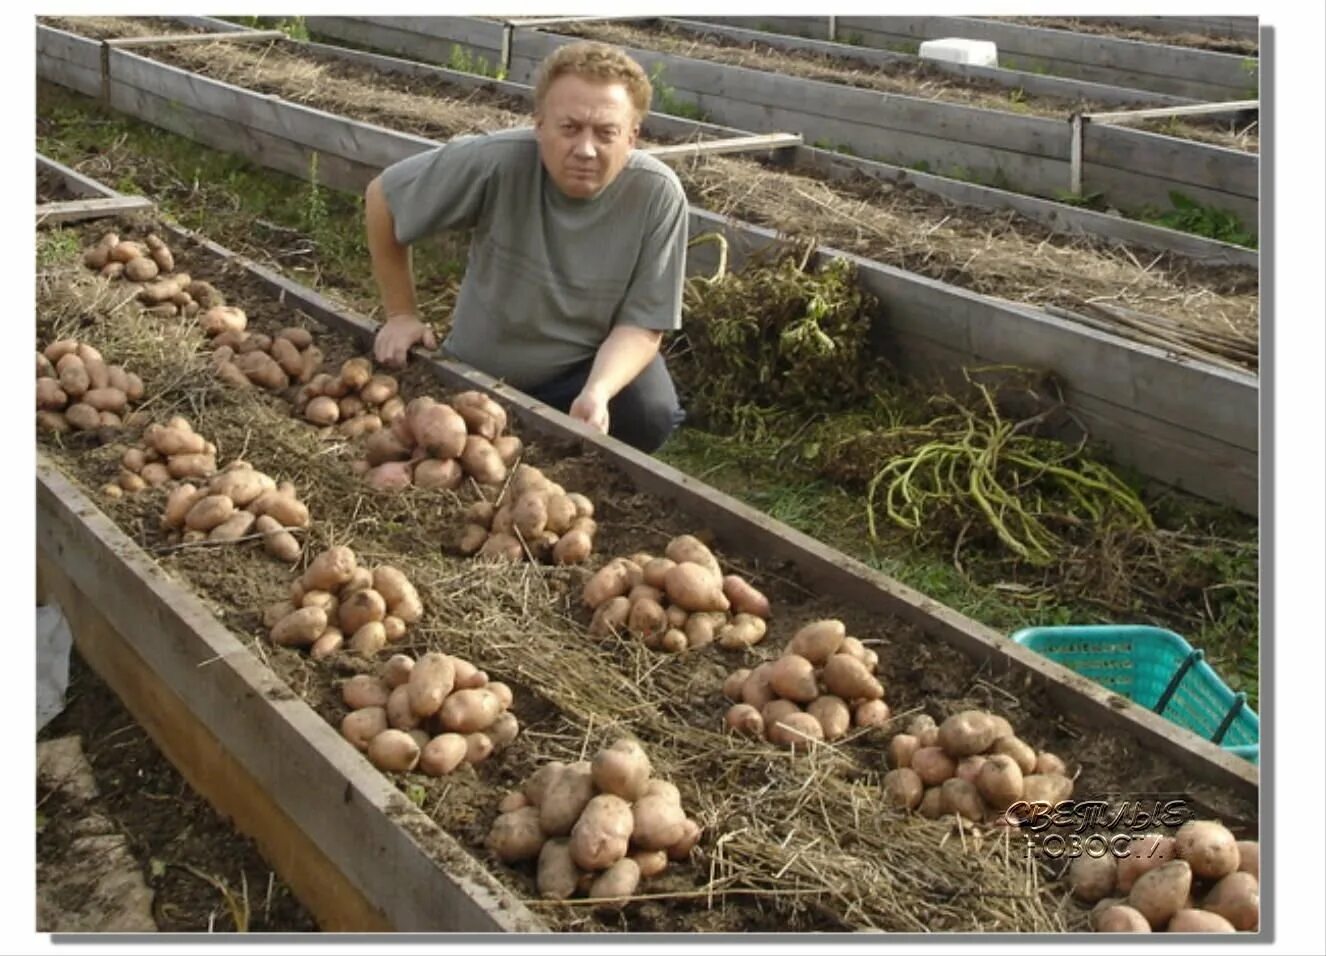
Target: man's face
{"x":586,"y":132}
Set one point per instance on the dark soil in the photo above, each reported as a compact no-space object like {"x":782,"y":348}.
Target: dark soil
{"x":170,"y":830}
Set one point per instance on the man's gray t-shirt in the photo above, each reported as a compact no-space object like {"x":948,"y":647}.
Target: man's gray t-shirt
{"x":548,"y":275}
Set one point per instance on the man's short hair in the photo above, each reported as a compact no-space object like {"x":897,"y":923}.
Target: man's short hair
{"x":598,"y":63}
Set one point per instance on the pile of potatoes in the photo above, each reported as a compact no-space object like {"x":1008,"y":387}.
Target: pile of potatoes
{"x":438,"y":444}
{"x":596,"y":827}
{"x":149,"y":265}
{"x":822,"y":686}
{"x":677,"y":601}
{"x":235,"y":502}
{"x":536,"y":517}
{"x":336,"y":596}
{"x":164,"y":453}
{"x":431,"y":715}
{"x":972,"y":765}
{"x":355,"y":400}
{"x":77,"y":390}
{"x":244,"y":358}
{"x":1201,"y":880}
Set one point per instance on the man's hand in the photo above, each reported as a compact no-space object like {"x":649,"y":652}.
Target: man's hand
{"x":591,"y":407}
{"x":398,"y":335}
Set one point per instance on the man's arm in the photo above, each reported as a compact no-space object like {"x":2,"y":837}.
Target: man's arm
{"x":622,"y":356}
{"x":395,"y":279}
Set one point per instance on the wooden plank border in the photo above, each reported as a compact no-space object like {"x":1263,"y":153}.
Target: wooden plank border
{"x":76,"y":210}
{"x":332,"y":825}
{"x":1138,"y":398}
{"x":1057,"y":216}
{"x":1029,"y":153}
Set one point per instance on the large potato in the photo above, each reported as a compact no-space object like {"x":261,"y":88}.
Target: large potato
{"x":1121,"y":918}
{"x":300,"y":628}
{"x":658,"y":823}
{"x":565,"y":798}
{"x":618,"y":882}
{"x":1091,"y":878}
{"x":516,"y":836}
{"x":443,"y":754}
{"x":687,"y":547}
{"x":622,"y":769}
{"x":330,"y":569}
{"x":481,"y":461}
{"x":848,"y":678}
{"x":832,"y":713}
{"x":903,"y":788}
{"x":602,"y":834}
{"x":967,"y":732}
{"x":743,"y":597}
{"x":361,"y":726}
{"x":557,"y":874}
{"x":1236,"y":897}
{"x":792,"y":677}
{"x":430,"y":682}
{"x":470,"y":710}
{"x":1160,"y":893}
{"x":1145,"y":854}
{"x":694,"y":588}
{"x":393,"y":750}
{"x":1208,"y":846}
{"x":1198,"y":921}
{"x":818,"y":640}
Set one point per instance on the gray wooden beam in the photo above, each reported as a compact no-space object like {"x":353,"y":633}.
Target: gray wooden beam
{"x":79,"y":210}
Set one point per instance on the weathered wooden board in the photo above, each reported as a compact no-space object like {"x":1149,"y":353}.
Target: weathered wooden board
{"x":351,"y":846}
{"x":1035,"y":84}
{"x":1055,"y":215}
{"x":1210,"y":402}
{"x":829,"y":571}
{"x":1242,"y":28}
{"x":77,"y":210}
{"x":1026,"y":153}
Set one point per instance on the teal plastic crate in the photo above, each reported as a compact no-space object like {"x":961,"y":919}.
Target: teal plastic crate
{"x":1156,"y":669}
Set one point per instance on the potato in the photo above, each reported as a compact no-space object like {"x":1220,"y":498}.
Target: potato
{"x":141,"y":268}
{"x":932,"y":804}
{"x":430,"y":682}
{"x":969,"y":768}
{"x":105,"y":399}
{"x":832,"y":713}
{"x":745,"y":630}
{"x":686,"y":547}
{"x":178,"y":503}
{"x":300,"y":628}
{"x":50,"y":396}
{"x":650,"y":862}
{"x":692,"y":587}
{"x":818,"y":640}
{"x":441,"y":433}
{"x":537,"y":784}
{"x":967,"y":732}
{"x":903,"y":788}
{"x":277,"y":542}
{"x":933,"y":765}
{"x":659,"y":822}
{"x":622,"y":769}
{"x":1237,"y":898}
{"x":1048,"y":763}
{"x":232,"y":529}
{"x":481,"y":461}
{"x":504,"y":729}
{"x":242,"y":486}
{"x":361,"y":726}
{"x":756,"y":690}
{"x":364,"y":690}
{"x":793,"y":678}
{"x":1046,"y":788}
{"x":516,"y":836}
{"x":744,"y":719}
{"x":284,"y":507}
{"x":1022,"y":753}
{"x":208,"y":512}
{"x":557,"y":874}
{"x":443,"y":754}
{"x":155,"y":473}
{"x":612,"y":580}
{"x":1121,"y":918}
{"x":574,"y":547}
{"x":900,"y":749}
{"x":617,"y":882}
{"x":797,"y":731}
{"x":1250,"y":857}
{"x":565,"y":799}
{"x":1160,"y":893}
{"x":681,"y":850}
{"x":52,"y":422}
{"x":127,"y":250}
{"x":848,"y":678}
{"x":468,"y":677}
{"x":777,"y":709}
{"x":393,"y":750}
{"x":73,"y":378}
{"x":610,"y":617}
{"x":1198,"y":921}
{"x":702,"y":627}
{"x":1209,"y":848}
{"x":1146,"y":853}
{"x":360,"y":608}
{"x":330,"y":569}
{"x":743,"y":597}
{"x":370,"y":638}
{"x":96,"y":256}
{"x":286,"y":355}
{"x":467,"y":711}
{"x":478,"y":747}
{"x":1091,"y":878}
{"x":502,"y":546}
{"x":961,"y":797}
{"x":602,"y":834}
{"x":431,"y":473}
{"x":323,"y":599}
{"x":190,"y":466}
{"x":399,"y":714}
{"x":1000,"y":781}
{"x":871,"y":713}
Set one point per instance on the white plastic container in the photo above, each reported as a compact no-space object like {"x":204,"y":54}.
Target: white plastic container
{"x":958,"y":50}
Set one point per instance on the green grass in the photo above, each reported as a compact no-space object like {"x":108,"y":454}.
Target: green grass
{"x":667,"y":101}
{"x":1189,"y":215}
